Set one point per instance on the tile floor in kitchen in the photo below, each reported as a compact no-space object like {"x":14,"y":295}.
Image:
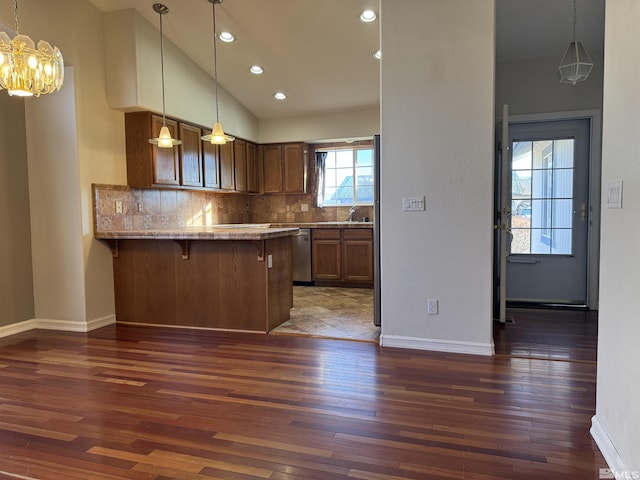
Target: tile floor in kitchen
{"x":331,"y":312}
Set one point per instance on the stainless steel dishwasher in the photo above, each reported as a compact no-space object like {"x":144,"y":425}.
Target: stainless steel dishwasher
{"x":302,"y":257}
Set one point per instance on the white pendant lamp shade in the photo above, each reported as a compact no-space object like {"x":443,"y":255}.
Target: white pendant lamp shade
{"x":25,"y":70}
{"x":576,"y":64}
{"x":164,"y":139}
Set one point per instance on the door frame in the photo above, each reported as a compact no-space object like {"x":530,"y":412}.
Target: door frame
{"x":595,"y":166}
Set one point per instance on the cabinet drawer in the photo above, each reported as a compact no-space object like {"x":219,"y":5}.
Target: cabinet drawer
{"x":357,"y":233}
{"x":326,"y":233}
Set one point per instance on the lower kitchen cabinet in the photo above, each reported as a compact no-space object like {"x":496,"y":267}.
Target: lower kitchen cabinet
{"x":342,"y":257}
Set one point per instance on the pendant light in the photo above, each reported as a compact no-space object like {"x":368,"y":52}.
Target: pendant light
{"x":164,"y":140}
{"x":26,"y":71}
{"x":217,"y":136}
{"x":576,"y":64}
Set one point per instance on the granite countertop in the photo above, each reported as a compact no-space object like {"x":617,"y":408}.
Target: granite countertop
{"x":244,"y":231}
{"x":324,"y":225}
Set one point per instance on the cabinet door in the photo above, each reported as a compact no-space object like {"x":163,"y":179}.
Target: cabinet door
{"x":227,"y":181}
{"x":165,"y":160}
{"x":326,"y":259}
{"x":358,"y":260}
{"x":211,"y":160}
{"x":240,"y":160}
{"x":191,"y":156}
{"x":295,"y":168}
{"x":252,"y":168}
{"x":272,"y":165}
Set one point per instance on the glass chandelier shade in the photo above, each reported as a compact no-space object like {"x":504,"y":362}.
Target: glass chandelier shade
{"x":576,"y":64}
{"x":217,"y":136}
{"x":164,"y":139}
{"x":28,"y":71}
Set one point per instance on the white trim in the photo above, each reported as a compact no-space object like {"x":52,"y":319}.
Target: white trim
{"x":60,"y":325}
{"x":15,"y":328}
{"x":437,"y":345}
{"x":100,"y":322}
{"x":606,"y":446}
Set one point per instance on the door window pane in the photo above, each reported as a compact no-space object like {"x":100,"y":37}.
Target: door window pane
{"x":542,"y":197}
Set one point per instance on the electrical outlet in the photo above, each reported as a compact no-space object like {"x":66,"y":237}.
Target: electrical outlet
{"x":118,"y":206}
{"x":139,"y":207}
{"x":432,"y":306}
{"x":304,"y":207}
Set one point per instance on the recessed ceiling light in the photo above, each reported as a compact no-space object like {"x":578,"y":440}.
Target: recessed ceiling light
{"x":368,"y":16}
{"x":279,"y":96}
{"x":378,"y":54}
{"x":227,"y":37}
{"x":256,"y":69}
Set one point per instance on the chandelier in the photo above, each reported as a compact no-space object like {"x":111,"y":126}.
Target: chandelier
{"x":576,"y":64}
{"x":25,"y":70}
{"x":217,"y":135}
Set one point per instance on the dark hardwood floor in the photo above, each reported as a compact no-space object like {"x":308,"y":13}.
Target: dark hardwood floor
{"x":132,"y":402}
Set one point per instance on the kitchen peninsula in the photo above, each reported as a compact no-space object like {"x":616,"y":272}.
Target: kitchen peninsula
{"x":231,"y":277}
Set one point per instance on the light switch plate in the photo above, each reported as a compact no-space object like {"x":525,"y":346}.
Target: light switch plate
{"x":614,"y":194}
{"x":413,"y":204}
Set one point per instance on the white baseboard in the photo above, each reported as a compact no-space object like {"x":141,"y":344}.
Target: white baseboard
{"x":52,"y":324}
{"x":15,"y":328}
{"x":437,"y":345}
{"x":606,"y":446}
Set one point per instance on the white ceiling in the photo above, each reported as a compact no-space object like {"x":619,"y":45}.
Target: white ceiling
{"x":320,"y":53}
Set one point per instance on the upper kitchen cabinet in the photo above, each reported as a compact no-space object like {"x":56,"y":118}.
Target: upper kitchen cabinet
{"x":211,"y":163}
{"x":148,"y":165}
{"x":253,"y":181}
{"x":227,"y":168}
{"x":284,"y":168}
{"x":191,"y":156}
{"x":240,"y":162}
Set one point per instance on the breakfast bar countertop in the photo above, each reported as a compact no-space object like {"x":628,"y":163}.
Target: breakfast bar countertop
{"x":245,"y":231}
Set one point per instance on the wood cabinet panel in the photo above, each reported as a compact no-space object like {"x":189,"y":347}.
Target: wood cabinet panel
{"x":272,"y":165}
{"x":211,"y":163}
{"x":191,"y":156}
{"x":227,"y":169}
{"x":357,"y":259}
{"x":294,"y":168}
{"x":326,"y":259}
{"x":342,"y":256}
{"x":148,"y":165}
{"x":253,"y":182}
{"x":240,"y":162}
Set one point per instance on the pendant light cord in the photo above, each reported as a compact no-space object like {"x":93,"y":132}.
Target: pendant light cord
{"x":575,"y":19}
{"x":215,"y":57}
{"x":15,"y":15}
{"x":164,"y":123}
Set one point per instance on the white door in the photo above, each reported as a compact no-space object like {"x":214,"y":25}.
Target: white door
{"x":549,"y":187}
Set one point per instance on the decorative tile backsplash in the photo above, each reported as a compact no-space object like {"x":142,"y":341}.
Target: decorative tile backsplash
{"x":119,"y":207}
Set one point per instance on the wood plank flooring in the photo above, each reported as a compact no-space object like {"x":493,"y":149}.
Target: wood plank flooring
{"x":127,"y":402}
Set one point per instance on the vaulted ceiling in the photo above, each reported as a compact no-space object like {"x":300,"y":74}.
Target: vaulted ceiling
{"x":320,"y":53}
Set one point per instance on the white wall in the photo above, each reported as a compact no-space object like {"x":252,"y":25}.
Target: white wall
{"x":437,"y":141}
{"x":336,"y":125}
{"x":531,"y":86}
{"x":615,"y":426}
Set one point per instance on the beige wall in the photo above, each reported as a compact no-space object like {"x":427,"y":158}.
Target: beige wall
{"x":16,"y":282}
{"x":615,"y":425}
{"x":90,"y":149}
{"x":437,"y":141}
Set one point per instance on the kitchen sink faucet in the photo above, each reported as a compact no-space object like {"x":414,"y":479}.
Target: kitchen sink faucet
{"x":352,"y":212}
